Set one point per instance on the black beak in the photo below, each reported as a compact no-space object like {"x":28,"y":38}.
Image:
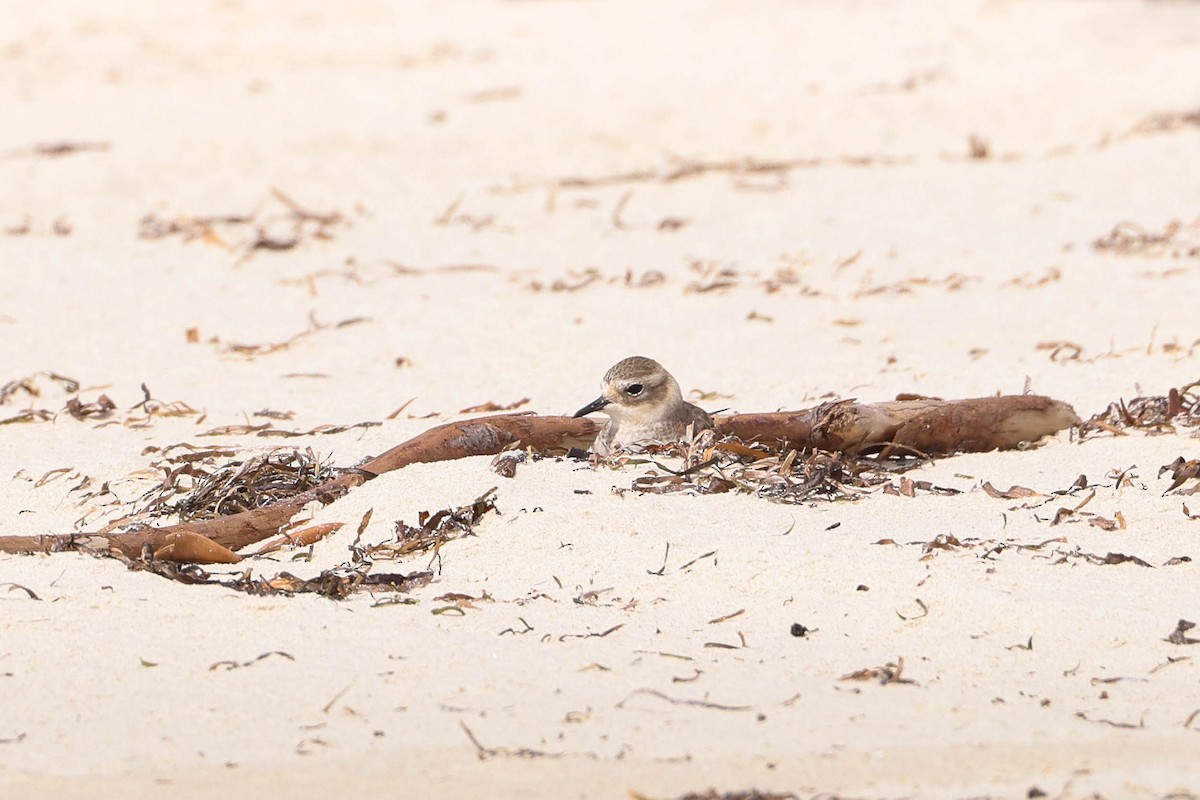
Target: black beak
{"x":595,"y":405}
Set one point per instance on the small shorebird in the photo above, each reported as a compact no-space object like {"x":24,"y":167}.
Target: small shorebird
{"x":643,"y":402}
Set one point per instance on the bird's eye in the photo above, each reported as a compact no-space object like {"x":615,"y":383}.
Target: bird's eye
{"x":634,"y":389}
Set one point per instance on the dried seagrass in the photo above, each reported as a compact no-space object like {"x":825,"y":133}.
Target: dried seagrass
{"x":712,"y":466}
{"x":1151,"y":414}
{"x":238,"y":485}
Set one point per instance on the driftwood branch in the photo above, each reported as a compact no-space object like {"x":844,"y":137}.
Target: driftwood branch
{"x":903,"y":427}
{"x":922,"y":427}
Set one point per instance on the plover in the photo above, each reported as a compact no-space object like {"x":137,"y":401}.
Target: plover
{"x":643,"y":402}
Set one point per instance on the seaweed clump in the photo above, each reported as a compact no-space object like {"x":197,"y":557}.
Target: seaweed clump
{"x":210,"y":490}
{"x":712,"y":466}
{"x":1152,"y":414}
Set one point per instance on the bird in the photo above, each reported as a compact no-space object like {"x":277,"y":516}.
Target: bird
{"x":643,"y":402}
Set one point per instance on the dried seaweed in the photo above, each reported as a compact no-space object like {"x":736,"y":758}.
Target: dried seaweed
{"x":1153,"y":414}
{"x":889,"y":673}
{"x":59,"y":149}
{"x":232,"y":487}
{"x":713,"y":794}
{"x":320,"y":430}
{"x":152,"y":408}
{"x":953,"y":282}
{"x":265,"y":228}
{"x":680,"y":168}
{"x":1179,"y":635}
{"x":432,"y":530}
{"x":230,"y":664}
{"x":29,"y":385}
{"x":29,"y":415}
{"x":452,"y":216}
{"x":491,"y":405}
{"x":1012,"y":493}
{"x":347,"y":579}
{"x":1129,"y":238}
{"x":710,"y":466}
{"x":710,"y":276}
{"x":337,"y":583}
{"x":12,"y":587}
{"x":1167,"y":121}
{"x":304,"y":537}
{"x":894,"y":430}
{"x":266,"y":348}
{"x":681,"y":701}
{"x":101,"y":408}
{"x":484,"y":753}
{"x":356,"y":575}
{"x":1106,"y":559}
{"x":505,"y":463}
{"x":1111,"y":723}
{"x":1181,"y":472}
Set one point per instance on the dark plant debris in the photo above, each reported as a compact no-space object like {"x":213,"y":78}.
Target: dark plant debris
{"x":337,"y":583}
{"x":490,"y":405}
{"x":1182,"y":472}
{"x":713,"y":794}
{"x":278,"y":224}
{"x":432,"y":530}
{"x":152,"y":407}
{"x":102,"y":408}
{"x":1176,"y":239}
{"x":1103,"y":560}
{"x":28,"y":386}
{"x":1154,"y":414}
{"x":1112,"y":723}
{"x":266,"y":348}
{"x":1179,"y":635}
{"x":484,"y":753}
{"x":15,"y":587}
{"x":228,"y":665}
{"x":680,"y":701}
{"x":887,"y":674}
{"x":352,"y":577}
{"x":268,"y":430}
{"x":709,"y":276}
{"x":58,"y":149}
{"x":29,"y":415}
{"x":210,"y":490}
{"x":679,"y":168}
{"x":710,"y":466}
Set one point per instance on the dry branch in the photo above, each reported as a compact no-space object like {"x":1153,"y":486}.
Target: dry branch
{"x":903,"y":427}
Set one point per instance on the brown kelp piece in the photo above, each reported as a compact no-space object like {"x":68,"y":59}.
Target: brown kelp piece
{"x":921,"y":427}
{"x":193,"y":548}
{"x":486,"y":436}
{"x":228,"y":533}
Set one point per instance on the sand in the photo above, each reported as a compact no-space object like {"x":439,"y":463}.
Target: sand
{"x":457,"y":204}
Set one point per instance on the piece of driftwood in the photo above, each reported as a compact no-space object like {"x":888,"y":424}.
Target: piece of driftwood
{"x":486,"y":436}
{"x":923,"y":427}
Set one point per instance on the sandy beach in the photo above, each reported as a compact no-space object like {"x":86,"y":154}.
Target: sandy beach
{"x":250,"y":228}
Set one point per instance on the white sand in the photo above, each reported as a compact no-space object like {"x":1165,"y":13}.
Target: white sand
{"x":439,"y":132}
